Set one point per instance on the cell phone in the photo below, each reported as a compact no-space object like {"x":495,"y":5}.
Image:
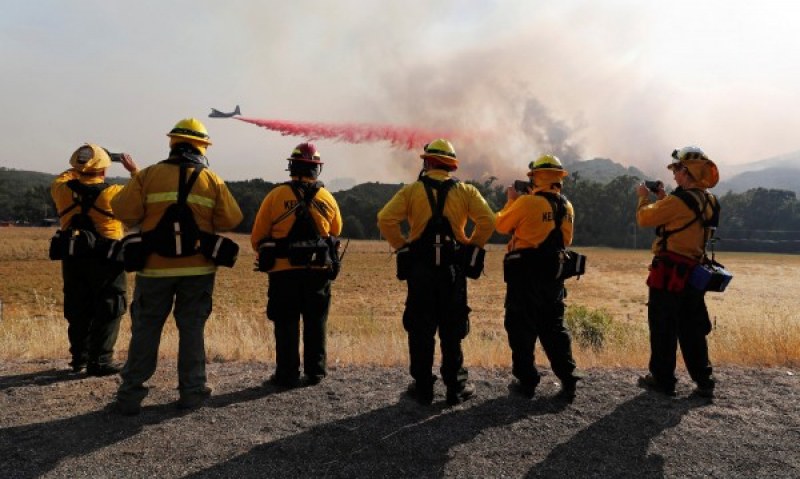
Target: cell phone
{"x":522,"y":186}
{"x":116,"y":157}
{"x":654,"y":186}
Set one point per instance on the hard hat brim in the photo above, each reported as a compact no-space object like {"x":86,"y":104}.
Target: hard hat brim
{"x":190,"y":138}
{"x":561,"y":171}
{"x":447,"y":160}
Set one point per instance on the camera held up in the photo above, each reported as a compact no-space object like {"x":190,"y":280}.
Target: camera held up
{"x":654,"y":186}
{"x":522,"y":186}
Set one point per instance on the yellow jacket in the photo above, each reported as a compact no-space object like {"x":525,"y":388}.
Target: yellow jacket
{"x":62,"y":197}
{"x":147,"y":195}
{"x":529,"y":218}
{"x":673,"y":213}
{"x":273,"y":219}
{"x":463,"y":202}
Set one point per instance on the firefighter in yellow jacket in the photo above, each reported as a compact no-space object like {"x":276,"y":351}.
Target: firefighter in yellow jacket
{"x":94,"y":286}
{"x":676,"y":312}
{"x":185,"y":282}
{"x":294,"y":236}
{"x":435,"y":259}
{"x":534,"y":297}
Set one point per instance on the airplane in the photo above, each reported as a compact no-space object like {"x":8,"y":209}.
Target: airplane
{"x":220,"y":114}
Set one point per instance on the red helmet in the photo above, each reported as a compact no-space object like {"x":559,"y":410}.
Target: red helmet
{"x":306,"y":152}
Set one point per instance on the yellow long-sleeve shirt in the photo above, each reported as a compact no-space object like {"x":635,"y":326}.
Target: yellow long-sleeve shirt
{"x":147,"y":195}
{"x":673,"y":213}
{"x":530,"y":219}
{"x":63,"y":198}
{"x":273,"y":219}
{"x":410,"y":204}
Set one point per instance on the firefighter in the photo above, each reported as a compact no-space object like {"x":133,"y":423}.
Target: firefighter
{"x":534,"y":297}
{"x":183,"y":285}
{"x":430,"y":258}
{"x":94,"y":287}
{"x":676,"y":312}
{"x":294,"y":235}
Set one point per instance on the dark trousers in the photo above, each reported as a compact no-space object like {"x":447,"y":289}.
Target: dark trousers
{"x":437,"y":300}
{"x":293,"y":294}
{"x":679,"y":318}
{"x":94,"y":302}
{"x":153,"y":299}
{"x":535,"y":310}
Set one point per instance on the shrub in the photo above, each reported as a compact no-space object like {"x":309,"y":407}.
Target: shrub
{"x":589,"y":328}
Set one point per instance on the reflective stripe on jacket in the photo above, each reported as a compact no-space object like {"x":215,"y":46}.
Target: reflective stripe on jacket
{"x":147,"y":195}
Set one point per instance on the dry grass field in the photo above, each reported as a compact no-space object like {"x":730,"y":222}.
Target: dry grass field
{"x":756,"y":321}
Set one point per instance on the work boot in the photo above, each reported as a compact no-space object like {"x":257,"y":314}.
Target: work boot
{"x":524,"y":389}
{"x":651,"y":383}
{"x":460,"y":393}
{"x":282,"y":382}
{"x":312,"y":379}
{"x":567,"y":392}
{"x":705,"y":389}
{"x":193,"y":400}
{"x":99,"y":370}
{"x":422,"y":393}
{"x":77,"y":365}
{"x":126,"y":408}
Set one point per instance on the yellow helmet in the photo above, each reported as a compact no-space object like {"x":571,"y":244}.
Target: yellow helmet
{"x":547,"y":163}
{"x":90,"y":158}
{"x":441,"y":151}
{"x":190,"y":130}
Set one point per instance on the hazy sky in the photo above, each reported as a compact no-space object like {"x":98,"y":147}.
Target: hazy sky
{"x":626,"y":80}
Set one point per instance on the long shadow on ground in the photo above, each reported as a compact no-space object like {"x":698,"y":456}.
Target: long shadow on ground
{"x":402,"y":440}
{"x":617,"y":445}
{"x":39,"y":378}
{"x":32,"y":450}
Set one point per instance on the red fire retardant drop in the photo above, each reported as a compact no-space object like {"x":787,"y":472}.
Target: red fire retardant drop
{"x":399,"y":137}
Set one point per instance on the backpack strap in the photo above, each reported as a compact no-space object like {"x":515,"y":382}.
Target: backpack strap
{"x":184,"y":187}
{"x":692,"y":198}
{"x":558,"y":204}
{"x":305,"y":193}
{"x":305,"y":196}
{"x":442,"y":189}
{"x":84,"y":196}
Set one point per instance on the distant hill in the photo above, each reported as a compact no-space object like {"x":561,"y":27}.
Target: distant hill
{"x":602,"y":170}
{"x":17,"y":182}
{"x":779,"y":172}
{"x":776,"y":178}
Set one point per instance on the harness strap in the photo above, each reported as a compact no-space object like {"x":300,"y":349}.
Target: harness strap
{"x":305,"y":193}
{"x":84,"y":196}
{"x":690,"y":199}
{"x":556,"y":200}
{"x":184,"y":187}
{"x":442,"y":189}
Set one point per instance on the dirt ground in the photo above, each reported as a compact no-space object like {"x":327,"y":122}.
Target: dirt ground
{"x":358,"y":423}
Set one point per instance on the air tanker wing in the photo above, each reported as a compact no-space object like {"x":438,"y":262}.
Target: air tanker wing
{"x":221,"y":114}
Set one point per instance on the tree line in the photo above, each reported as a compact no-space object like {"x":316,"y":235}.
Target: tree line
{"x":760,"y":219}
